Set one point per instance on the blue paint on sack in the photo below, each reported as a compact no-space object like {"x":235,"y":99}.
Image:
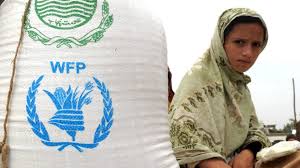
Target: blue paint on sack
{"x":70,"y":103}
{"x":66,"y":67}
{"x":69,"y":114}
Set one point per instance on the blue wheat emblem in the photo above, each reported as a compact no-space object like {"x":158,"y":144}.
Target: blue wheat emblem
{"x":69,"y":116}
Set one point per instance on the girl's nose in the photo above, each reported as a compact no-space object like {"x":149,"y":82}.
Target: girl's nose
{"x":247,"y":51}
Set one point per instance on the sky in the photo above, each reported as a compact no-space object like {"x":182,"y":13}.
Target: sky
{"x":189,"y":26}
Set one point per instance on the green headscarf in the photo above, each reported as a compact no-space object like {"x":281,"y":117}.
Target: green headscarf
{"x":212,"y":114}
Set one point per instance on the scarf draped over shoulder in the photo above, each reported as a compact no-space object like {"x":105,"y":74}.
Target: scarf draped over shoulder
{"x":212,"y":114}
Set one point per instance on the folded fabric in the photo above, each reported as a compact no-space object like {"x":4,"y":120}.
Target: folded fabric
{"x":289,"y":161}
{"x":278,"y":150}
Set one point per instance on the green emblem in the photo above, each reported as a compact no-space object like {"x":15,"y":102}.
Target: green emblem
{"x":65,"y":15}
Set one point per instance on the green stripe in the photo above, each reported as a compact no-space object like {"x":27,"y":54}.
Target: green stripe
{"x":66,"y":16}
{"x":65,"y":4}
{"x":66,"y":7}
{"x":52,"y":12}
{"x":65,"y":1}
{"x":65,"y":12}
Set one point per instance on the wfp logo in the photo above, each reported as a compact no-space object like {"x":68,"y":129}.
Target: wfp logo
{"x":69,"y":116}
{"x":68,"y":15}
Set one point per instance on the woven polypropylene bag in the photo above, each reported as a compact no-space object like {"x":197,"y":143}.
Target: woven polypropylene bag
{"x":90,"y":88}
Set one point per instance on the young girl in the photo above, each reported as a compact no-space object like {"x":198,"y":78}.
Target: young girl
{"x":212,"y":117}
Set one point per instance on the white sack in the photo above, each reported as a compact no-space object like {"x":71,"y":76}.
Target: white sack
{"x":90,"y":87}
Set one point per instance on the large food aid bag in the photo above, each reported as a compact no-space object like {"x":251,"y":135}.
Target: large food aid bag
{"x":90,"y":86}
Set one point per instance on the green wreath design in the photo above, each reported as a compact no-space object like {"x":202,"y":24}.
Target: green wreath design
{"x":92,"y":36}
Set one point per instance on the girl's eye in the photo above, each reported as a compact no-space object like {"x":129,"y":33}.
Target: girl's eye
{"x":257,"y":44}
{"x":239,"y":42}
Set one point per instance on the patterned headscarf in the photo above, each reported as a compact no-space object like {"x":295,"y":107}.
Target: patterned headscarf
{"x":217,"y":59}
{"x":212,"y":113}
{"x":217,"y":49}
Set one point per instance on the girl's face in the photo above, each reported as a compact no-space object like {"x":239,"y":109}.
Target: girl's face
{"x":243,"y":45}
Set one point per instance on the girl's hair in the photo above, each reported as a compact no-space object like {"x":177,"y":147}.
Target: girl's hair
{"x":242,"y":19}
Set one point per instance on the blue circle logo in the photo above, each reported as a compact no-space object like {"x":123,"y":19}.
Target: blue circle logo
{"x":69,"y":114}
